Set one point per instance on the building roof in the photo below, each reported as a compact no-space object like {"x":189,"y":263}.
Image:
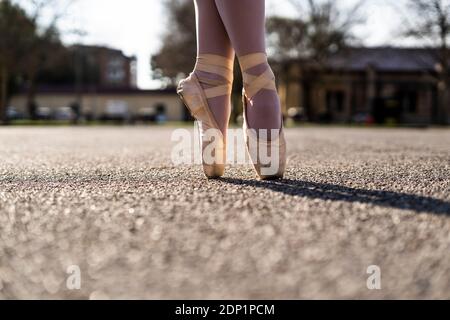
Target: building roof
{"x":387,"y":59}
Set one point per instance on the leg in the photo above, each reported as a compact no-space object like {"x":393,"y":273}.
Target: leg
{"x":244,"y":21}
{"x":212,"y":38}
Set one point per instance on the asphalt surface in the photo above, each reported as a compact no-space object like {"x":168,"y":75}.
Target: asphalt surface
{"x":109,"y":201}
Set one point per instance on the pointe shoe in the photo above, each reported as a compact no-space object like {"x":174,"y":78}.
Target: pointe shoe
{"x":196,"y":98}
{"x":268,"y":155}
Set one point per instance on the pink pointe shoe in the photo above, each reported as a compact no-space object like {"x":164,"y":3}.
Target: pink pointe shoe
{"x":195,"y":97}
{"x":268,"y":155}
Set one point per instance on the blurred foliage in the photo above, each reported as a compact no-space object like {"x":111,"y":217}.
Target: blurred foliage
{"x":29,"y":52}
{"x":429,"y":21}
{"x":175,"y":57}
{"x":16,"y":35}
{"x":320,"y":28}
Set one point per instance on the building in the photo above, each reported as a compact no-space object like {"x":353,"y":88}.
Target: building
{"x":108,"y":103}
{"x":104,"y":88}
{"x":382,"y":84}
{"x":105,"y":67}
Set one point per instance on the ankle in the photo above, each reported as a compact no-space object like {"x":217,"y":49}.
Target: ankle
{"x":259,"y":69}
{"x":214,"y":71}
{"x":263,"y":109}
{"x":254,"y":63}
{"x":209,"y":80}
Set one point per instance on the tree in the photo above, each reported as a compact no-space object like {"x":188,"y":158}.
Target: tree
{"x":47,"y":53}
{"x":15,"y":31}
{"x":321,"y":28}
{"x":429,"y":21}
{"x":179,"y":43}
{"x":44,"y":47}
{"x":26,"y":45}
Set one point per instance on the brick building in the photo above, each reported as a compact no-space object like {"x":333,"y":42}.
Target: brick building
{"x":105,"y":67}
{"x":104,"y":88}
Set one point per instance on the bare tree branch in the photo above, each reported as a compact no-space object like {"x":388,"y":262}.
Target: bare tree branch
{"x":321,"y":28}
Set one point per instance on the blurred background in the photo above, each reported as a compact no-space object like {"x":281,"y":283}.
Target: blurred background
{"x":98,"y":61}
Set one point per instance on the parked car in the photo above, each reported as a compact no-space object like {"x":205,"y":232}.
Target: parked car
{"x":146,"y":114}
{"x":44,"y":113}
{"x":116,"y":110}
{"x":363,"y":118}
{"x":13,"y":114}
{"x":64,"y":113}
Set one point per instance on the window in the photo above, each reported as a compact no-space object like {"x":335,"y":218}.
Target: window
{"x":116,"y":70}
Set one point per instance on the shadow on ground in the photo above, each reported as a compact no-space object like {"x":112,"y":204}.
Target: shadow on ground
{"x":333,"y":192}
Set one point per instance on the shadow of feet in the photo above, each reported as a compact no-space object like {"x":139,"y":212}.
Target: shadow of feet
{"x":324,"y":191}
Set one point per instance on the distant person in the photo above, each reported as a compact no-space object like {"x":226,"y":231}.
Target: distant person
{"x":33,"y":110}
{"x":76,"y":110}
{"x":226,"y":28}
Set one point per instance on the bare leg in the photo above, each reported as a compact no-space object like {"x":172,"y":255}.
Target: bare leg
{"x":244,"y":21}
{"x":212,"y":38}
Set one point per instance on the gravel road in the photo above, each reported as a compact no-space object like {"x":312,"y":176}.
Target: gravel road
{"x":108,"y":200}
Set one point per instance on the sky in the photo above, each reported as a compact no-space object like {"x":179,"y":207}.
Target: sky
{"x":135,"y":26}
